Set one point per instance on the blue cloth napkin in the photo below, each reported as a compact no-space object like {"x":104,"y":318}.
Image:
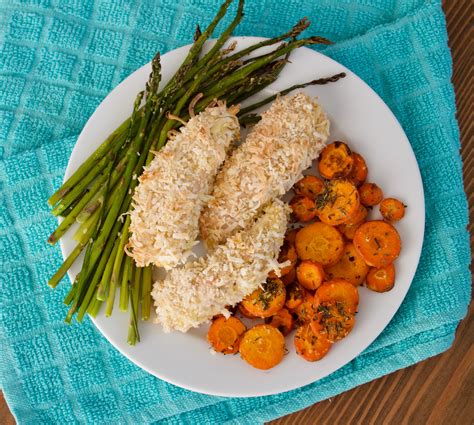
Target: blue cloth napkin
{"x":58,"y":59}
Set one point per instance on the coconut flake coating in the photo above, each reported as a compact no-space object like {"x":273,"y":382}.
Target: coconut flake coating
{"x":193,"y":294}
{"x":289,"y":136}
{"x":175,"y":186}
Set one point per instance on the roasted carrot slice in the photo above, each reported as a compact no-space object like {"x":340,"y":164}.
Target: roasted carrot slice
{"x":309,"y":186}
{"x":359,"y":171}
{"x":351,"y":267}
{"x":333,"y":320}
{"x":370,"y":194}
{"x":320,"y":243}
{"x":392,"y":209}
{"x":294,"y":295}
{"x":339,"y":291}
{"x":224,"y":334}
{"x":382,"y":279}
{"x":338,"y":203}
{"x":262,"y":346}
{"x":267,"y":301}
{"x":290,"y":277}
{"x":310,"y":275}
{"x":306,"y":311}
{"x":283,"y":321}
{"x":311,"y":345}
{"x":335,"y":161}
{"x":287,"y":253}
{"x":377,"y":242}
{"x":244,"y":312}
{"x":303,"y":208}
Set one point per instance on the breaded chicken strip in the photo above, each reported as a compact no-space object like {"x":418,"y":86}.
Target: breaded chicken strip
{"x":193,"y":294}
{"x":285,"y":141}
{"x":176,"y":185}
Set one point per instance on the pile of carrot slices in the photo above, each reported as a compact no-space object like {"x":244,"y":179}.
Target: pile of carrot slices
{"x":331,"y":250}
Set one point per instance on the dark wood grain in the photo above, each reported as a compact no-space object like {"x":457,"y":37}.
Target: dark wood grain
{"x":439,"y":390}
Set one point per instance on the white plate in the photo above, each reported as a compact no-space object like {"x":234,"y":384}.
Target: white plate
{"x":358,"y":116}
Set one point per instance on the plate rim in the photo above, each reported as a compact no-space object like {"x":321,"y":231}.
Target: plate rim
{"x":69,"y":171}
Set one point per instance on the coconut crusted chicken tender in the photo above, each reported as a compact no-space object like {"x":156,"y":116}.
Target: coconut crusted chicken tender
{"x":193,"y":294}
{"x":285,"y":141}
{"x":175,"y":186}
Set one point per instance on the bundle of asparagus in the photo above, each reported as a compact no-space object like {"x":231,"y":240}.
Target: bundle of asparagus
{"x":98,"y":195}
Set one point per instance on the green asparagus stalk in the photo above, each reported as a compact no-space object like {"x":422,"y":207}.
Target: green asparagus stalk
{"x":146,"y":292}
{"x":126,"y":278}
{"x":134,"y":291}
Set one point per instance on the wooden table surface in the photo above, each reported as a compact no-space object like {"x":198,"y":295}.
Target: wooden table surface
{"x":439,"y":390}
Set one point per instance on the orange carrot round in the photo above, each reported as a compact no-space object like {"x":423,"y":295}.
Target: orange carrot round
{"x":334,"y":320}
{"x":392,"y":209}
{"x":339,"y":291}
{"x":312,"y":346}
{"x":306,"y":311}
{"x":262,"y":346}
{"x":224,"y":334}
{"x":338,"y":203}
{"x":309,"y":186}
{"x":335,"y":161}
{"x":266,"y":301}
{"x":283,"y":321}
{"x":351,"y":267}
{"x":377,"y":242}
{"x":370,"y":194}
{"x":382,"y":279}
{"x":320,"y":243}
{"x":310,"y":275}
{"x":303,"y":208}
{"x":359,"y":171}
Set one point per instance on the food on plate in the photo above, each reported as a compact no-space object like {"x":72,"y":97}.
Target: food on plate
{"x":311,"y":345}
{"x":224,"y":334}
{"x":310,"y":275}
{"x":262,"y":346}
{"x":328,"y":260}
{"x":294,"y":295}
{"x":320,"y":243}
{"x":201,"y":289}
{"x":309,"y":186}
{"x":338,"y":203}
{"x":267,"y":300}
{"x":359,"y":171}
{"x":335,"y":161}
{"x":392,"y":209}
{"x":303,"y":208}
{"x":98,"y":195}
{"x":351,"y":267}
{"x":278,"y":148}
{"x":283,"y":321}
{"x":370,"y":194}
{"x":378,"y":242}
{"x":381,"y":279}
{"x":175,"y":186}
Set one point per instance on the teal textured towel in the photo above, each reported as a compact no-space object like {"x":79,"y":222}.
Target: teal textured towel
{"x":58,"y":60}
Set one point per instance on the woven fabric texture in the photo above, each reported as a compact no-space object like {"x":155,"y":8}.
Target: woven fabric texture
{"x":59,"y":59}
